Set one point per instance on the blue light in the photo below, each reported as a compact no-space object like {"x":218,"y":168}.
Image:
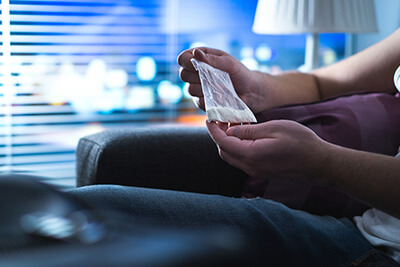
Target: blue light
{"x":263,"y":53}
{"x":169,"y":93}
{"x":140,"y":97}
{"x":146,"y":68}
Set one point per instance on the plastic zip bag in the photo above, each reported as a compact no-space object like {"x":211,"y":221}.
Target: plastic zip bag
{"x":396,"y":78}
{"x":221,"y":101}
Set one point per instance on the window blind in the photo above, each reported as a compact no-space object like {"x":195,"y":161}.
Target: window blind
{"x":55,"y":56}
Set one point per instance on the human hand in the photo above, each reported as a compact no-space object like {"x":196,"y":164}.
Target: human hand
{"x":243,"y":79}
{"x":278,"y":149}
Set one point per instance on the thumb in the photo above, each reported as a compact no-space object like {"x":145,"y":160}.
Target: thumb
{"x":250,"y":132}
{"x":215,"y":58}
{"x":199,"y":54}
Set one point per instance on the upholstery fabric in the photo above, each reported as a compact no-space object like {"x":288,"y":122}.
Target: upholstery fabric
{"x":178,"y":158}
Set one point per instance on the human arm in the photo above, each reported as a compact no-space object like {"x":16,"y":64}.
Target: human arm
{"x":260,"y":91}
{"x":290,"y":151}
{"x":369,"y":70}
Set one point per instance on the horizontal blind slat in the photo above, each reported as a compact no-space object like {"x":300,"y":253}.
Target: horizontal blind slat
{"x":17,"y":160}
{"x":89,"y":49}
{"x":129,"y":19}
{"x":36,"y":149}
{"x":46,"y":166}
{"x":79,"y":118}
{"x":48,"y":34}
{"x":86,"y":29}
{"x":91,"y":39}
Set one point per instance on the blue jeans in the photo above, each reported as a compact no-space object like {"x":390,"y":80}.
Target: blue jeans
{"x":284,"y":237}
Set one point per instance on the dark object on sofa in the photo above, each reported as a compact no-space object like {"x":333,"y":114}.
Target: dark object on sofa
{"x":41,"y":226}
{"x":187,"y":159}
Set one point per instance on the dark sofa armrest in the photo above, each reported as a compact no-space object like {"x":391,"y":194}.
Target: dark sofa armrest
{"x":157,"y":157}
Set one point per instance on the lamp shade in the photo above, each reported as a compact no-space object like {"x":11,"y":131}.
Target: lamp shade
{"x":314,"y":16}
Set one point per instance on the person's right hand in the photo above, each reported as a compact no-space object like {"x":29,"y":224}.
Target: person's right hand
{"x":276,"y":149}
{"x":243,"y":80}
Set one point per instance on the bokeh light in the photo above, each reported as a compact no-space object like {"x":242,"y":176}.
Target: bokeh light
{"x":140,"y":97}
{"x":263,"y":53}
{"x":169,"y":93}
{"x":251,"y":63}
{"x":146,"y":68}
{"x":116,"y":78}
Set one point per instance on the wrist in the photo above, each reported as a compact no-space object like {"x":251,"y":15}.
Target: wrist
{"x":324,"y":166}
{"x":259,"y":96}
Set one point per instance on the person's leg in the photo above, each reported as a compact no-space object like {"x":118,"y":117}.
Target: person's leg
{"x":285,"y":237}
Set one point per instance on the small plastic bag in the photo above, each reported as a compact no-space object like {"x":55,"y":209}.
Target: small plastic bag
{"x":396,"y":78}
{"x":222,"y":102}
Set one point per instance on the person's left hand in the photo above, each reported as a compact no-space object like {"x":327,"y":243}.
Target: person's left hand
{"x":278,"y":149}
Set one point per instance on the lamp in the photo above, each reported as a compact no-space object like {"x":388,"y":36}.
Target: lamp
{"x":313,"y":17}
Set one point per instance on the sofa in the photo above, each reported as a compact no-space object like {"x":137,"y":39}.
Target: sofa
{"x":176,"y":158}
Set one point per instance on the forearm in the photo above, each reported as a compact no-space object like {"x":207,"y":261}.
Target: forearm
{"x":370,"y":70}
{"x":287,"y":88}
{"x":372,"y":178}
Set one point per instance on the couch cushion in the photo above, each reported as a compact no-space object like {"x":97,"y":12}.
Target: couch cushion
{"x":368,"y":122}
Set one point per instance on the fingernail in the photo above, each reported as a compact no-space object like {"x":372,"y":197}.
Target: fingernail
{"x":199,"y":54}
{"x":233,"y":131}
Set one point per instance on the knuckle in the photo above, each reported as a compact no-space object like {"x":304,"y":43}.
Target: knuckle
{"x":246,"y":132}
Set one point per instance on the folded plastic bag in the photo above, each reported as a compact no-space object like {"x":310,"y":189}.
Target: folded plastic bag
{"x":221,"y":101}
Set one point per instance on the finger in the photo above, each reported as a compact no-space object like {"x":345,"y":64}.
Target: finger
{"x":235,"y":158}
{"x":200,"y":54}
{"x":208,"y":50}
{"x":216,"y":58}
{"x":232,"y":160}
{"x":184,"y":59}
{"x":231,"y":145}
{"x":223,"y":125}
{"x":199,"y":103}
{"x":195,"y":89}
{"x":188,"y":76}
{"x":253,"y":131}
{"x":216,"y":133}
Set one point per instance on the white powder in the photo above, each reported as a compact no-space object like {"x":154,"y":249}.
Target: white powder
{"x":228,"y":114}
{"x":217,"y":86}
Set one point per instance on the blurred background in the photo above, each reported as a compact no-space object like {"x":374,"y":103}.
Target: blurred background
{"x":71,"y":68}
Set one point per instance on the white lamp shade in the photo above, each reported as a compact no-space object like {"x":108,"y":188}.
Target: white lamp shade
{"x":314,"y":16}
